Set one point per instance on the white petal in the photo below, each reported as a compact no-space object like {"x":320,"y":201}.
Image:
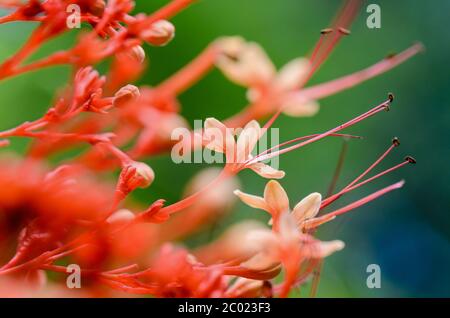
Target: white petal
{"x":251,"y":200}
{"x":327,"y":248}
{"x":247,"y":140}
{"x":276,"y":198}
{"x":307,"y":208}
{"x":293,"y":74}
{"x":261,"y":262}
{"x":218,"y":136}
{"x":267,"y":245}
{"x":244,"y":63}
{"x":266,"y":171}
{"x":288,"y":230}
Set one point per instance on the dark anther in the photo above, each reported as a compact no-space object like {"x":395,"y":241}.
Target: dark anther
{"x":391,"y":55}
{"x":344,"y":31}
{"x":410,"y":159}
{"x":396,"y":141}
{"x":326,"y":31}
{"x":232,"y":57}
{"x":391,"y":97}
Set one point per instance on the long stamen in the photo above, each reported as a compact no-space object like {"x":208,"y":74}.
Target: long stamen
{"x":329,"y":200}
{"x":368,"y":114}
{"x":303,"y":138}
{"x":377,"y":176}
{"x":349,"y":81}
{"x":367,"y":199}
{"x":349,"y":189}
{"x":319,"y":43}
{"x":342,"y":22}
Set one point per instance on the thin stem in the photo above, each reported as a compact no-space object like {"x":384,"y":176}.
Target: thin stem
{"x":190,"y":74}
{"x":170,"y":10}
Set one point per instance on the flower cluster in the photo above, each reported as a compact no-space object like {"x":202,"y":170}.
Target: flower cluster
{"x":53,"y":214}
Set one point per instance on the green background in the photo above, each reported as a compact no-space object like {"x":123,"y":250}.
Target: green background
{"x":407,"y":232}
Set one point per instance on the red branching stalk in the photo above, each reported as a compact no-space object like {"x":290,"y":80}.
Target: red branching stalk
{"x":67,"y":213}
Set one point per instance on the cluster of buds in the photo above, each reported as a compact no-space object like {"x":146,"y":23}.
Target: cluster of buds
{"x":56,"y":213}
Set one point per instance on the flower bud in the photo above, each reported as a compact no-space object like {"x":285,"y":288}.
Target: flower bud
{"x":145,"y":173}
{"x":138,"y":53}
{"x":120,"y":217}
{"x":159,"y":33}
{"x":125,"y":95}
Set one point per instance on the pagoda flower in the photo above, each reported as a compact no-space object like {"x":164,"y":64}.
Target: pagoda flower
{"x":270,"y":91}
{"x":247,"y":64}
{"x":275,"y":201}
{"x":216,"y":136}
{"x":261,"y":252}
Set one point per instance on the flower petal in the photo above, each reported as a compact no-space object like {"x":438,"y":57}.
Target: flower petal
{"x":289,"y":232}
{"x":297,"y":106}
{"x":276,"y":198}
{"x":218,"y":137}
{"x":247,"y":140}
{"x":252,"y":200}
{"x":244,"y":63}
{"x":267,"y":244}
{"x":307,"y":208}
{"x":266,"y":171}
{"x":327,"y":248}
{"x":292,"y":74}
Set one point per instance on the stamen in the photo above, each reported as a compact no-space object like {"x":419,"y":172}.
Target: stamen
{"x":373,"y":178}
{"x":336,"y":196}
{"x":396,"y":141}
{"x":303,"y":138}
{"x":319,"y":43}
{"x":344,"y":31}
{"x":352,"y":122}
{"x":343,"y":19}
{"x":367,"y":199}
{"x":391,"y":97}
{"x":326,"y":89}
{"x":326,"y":31}
{"x":410,"y":160}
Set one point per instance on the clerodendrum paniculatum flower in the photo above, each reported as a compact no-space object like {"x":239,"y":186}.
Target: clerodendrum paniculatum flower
{"x":55,"y":213}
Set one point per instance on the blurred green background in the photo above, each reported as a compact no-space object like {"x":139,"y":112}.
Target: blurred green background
{"x":406,"y":232}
